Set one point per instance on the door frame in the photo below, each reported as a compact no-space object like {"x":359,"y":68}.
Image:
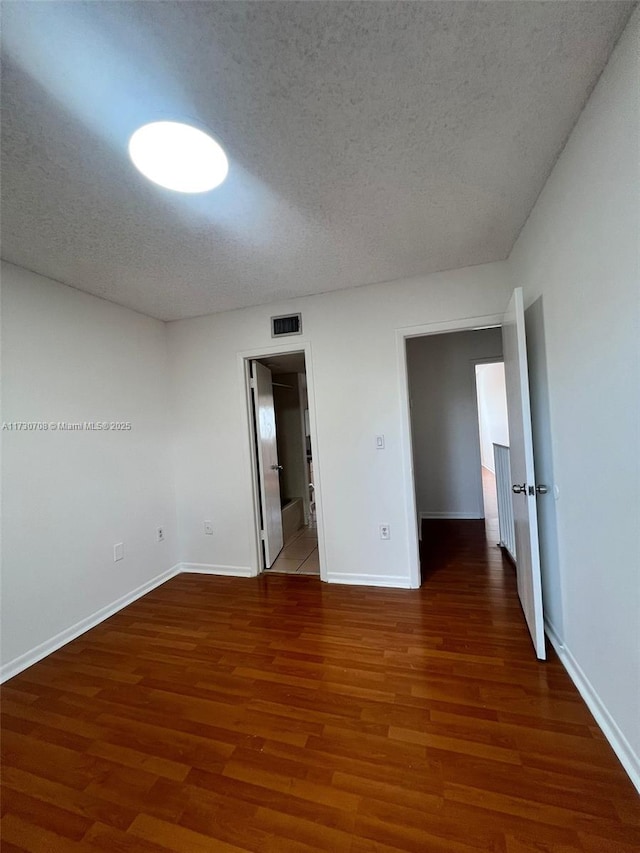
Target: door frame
{"x":465,"y":324}
{"x":250,"y":456}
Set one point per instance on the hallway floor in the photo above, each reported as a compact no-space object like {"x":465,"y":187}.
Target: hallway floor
{"x":448,"y":542}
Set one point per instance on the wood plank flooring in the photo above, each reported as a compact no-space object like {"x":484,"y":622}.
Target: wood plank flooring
{"x":283,"y":715}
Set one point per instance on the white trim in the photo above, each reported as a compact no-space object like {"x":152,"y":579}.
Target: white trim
{"x":620,"y":745}
{"x":250,"y":458}
{"x":488,"y":321}
{"x":214,"y":569}
{"x":406,"y":451}
{"x":369,"y":580}
{"x":465,"y":324}
{"x":462,"y":515}
{"x":56,"y":642}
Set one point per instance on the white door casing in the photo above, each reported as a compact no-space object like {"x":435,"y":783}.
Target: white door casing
{"x":268,"y":467}
{"x":522,"y":469}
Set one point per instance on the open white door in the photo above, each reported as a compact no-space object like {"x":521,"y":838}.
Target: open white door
{"x":523,"y":496}
{"x":268,"y":467}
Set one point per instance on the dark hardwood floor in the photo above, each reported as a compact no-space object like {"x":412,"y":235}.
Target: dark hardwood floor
{"x":282,"y":715}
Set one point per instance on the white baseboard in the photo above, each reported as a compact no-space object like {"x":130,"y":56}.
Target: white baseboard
{"x":213,"y":569}
{"x":461,"y":515}
{"x":40,"y":651}
{"x":369,"y":580}
{"x":620,"y":745}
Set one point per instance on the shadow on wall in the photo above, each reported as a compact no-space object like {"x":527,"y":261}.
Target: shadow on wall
{"x":543,"y":457}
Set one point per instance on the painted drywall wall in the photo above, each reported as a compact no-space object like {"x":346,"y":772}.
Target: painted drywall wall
{"x":492,"y":410}
{"x":444,"y":420}
{"x":579,"y":253}
{"x":353,"y":375}
{"x":67,"y":495}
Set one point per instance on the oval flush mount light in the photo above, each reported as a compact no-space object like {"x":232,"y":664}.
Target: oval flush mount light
{"x":178,"y":156}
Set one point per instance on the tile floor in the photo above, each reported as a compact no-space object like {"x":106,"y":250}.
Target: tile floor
{"x":300,"y":554}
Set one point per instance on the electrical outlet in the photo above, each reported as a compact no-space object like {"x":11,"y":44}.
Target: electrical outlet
{"x":380,"y":442}
{"x":208,"y":528}
{"x":385,"y":531}
{"x":118,"y":552}
{"x":160,"y":534}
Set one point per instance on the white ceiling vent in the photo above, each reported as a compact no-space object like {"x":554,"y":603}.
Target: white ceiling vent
{"x":288,"y":324}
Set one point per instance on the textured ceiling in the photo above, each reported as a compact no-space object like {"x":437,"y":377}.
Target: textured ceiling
{"x":368,"y":141}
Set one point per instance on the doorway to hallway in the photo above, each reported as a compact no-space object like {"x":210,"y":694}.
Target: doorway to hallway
{"x":522,"y":494}
{"x":458,"y":409}
{"x":447,"y":447}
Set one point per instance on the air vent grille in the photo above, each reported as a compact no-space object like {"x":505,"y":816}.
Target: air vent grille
{"x":289,"y":324}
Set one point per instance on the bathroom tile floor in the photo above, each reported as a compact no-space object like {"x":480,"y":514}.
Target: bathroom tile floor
{"x":299,"y":555}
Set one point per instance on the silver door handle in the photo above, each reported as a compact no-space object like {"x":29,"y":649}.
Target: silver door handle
{"x":519,"y":490}
{"x":277,"y":468}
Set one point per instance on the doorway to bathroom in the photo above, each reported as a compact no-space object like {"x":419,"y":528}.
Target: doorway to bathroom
{"x":284,"y":464}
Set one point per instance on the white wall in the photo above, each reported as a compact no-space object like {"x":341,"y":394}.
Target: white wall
{"x":578,"y":254}
{"x":353,"y":374}
{"x":68,"y":497}
{"x":492,"y":410}
{"x":444,"y":420}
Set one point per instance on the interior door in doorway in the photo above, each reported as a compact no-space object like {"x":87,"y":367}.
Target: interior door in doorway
{"x":268,"y":466}
{"x":523,"y":496}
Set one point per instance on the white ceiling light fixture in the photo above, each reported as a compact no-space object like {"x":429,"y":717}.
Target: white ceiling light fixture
{"x":178,"y":157}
